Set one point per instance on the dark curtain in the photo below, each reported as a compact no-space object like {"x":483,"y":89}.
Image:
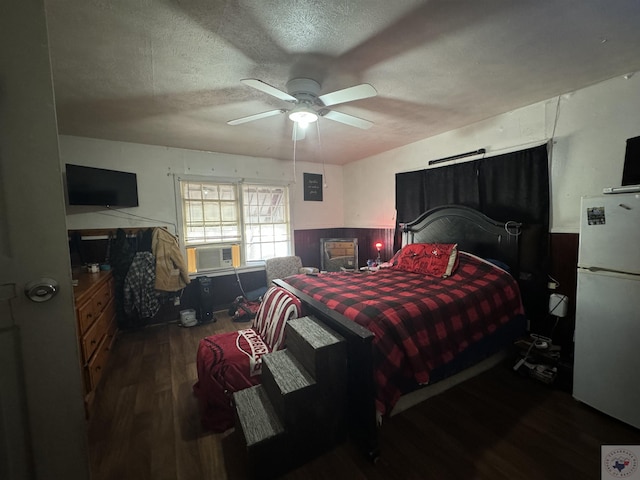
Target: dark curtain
{"x":453,"y":186}
{"x":410,"y":195}
{"x":513,"y":186}
{"x":417,"y":192}
{"x":516,"y":187}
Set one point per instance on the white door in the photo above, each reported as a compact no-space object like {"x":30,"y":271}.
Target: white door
{"x":606,"y":360}
{"x":42,"y":425}
{"x":610,"y":233}
{"x":14,"y":460}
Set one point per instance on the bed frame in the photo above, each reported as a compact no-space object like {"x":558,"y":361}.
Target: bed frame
{"x":475,"y":233}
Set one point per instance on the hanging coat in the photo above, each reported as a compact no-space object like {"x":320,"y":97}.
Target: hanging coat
{"x":171,"y":268}
{"x":139,"y":294}
{"x":121,"y":255}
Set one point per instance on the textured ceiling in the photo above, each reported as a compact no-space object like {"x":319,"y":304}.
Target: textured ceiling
{"x":167,"y":72}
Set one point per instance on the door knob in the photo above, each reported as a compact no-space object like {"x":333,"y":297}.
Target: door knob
{"x":41,"y":290}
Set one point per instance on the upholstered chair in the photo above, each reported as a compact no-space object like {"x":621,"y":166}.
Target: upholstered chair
{"x":282,"y":267}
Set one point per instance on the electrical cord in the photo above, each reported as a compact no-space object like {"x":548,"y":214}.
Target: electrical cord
{"x":537,"y":341}
{"x":560,"y":301}
{"x":509,"y":225}
{"x":239,"y":282}
{"x":154,"y":220}
{"x":521,"y":362}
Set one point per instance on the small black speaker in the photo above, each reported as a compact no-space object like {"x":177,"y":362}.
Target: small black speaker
{"x":205,"y":300}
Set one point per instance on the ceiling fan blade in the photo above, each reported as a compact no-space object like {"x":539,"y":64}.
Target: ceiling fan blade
{"x":257,"y":116}
{"x":266,"y":88}
{"x":348,"y":119}
{"x":350,"y":94}
{"x":298,"y":133}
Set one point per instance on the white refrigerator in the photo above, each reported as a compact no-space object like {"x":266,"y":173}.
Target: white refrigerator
{"x":607,"y":332}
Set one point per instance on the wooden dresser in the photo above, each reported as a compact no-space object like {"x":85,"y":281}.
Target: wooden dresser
{"x":97,"y":326}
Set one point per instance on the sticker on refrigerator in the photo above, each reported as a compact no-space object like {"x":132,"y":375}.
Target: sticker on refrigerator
{"x":595,"y":216}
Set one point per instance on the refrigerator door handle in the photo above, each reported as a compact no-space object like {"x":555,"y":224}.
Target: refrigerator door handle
{"x":610,"y":270}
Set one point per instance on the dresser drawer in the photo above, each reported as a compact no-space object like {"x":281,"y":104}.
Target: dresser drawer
{"x":102,"y":298}
{"x":97,"y":363}
{"x":112,"y":327}
{"x":86,"y":316}
{"x":109,"y":314}
{"x":97,"y":327}
{"x":91,"y":340}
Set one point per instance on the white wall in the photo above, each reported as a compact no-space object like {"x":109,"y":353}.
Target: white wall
{"x":156,"y":166}
{"x":589,"y":128}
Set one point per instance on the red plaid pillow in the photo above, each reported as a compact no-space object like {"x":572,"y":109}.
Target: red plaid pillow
{"x":435,"y":259}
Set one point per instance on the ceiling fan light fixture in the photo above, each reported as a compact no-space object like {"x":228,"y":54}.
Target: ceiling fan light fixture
{"x":303,"y":93}
{"x":303,"y":115}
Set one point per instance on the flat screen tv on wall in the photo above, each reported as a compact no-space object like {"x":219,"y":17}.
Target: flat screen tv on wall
{"x":98,"y":186}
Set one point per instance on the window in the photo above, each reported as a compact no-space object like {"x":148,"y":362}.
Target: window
{"x":216,"y":215}
{"x":210,"y":213}
{"x":266,"y":221}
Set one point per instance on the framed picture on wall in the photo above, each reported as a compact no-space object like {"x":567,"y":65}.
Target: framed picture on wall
{"x":312,"y":187}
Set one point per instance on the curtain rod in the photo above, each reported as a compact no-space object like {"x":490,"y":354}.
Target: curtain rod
{"x":456,"y":157}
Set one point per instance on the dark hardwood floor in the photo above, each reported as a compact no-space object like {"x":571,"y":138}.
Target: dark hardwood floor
{"x":145,"y":425}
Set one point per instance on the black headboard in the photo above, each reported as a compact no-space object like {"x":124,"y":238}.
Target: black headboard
{"x":473,"y":231}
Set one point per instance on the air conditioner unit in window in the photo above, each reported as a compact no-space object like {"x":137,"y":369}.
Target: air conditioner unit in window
{"x":212,"y":257}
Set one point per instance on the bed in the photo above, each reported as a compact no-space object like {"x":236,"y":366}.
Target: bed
{"x":413,"y":328}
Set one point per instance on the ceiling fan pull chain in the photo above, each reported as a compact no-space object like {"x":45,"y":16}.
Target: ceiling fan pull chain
{"x":324,"y":174}
{"x":295,"y":141}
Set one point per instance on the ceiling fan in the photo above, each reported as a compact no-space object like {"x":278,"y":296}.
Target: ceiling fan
{"x":308,"y":106}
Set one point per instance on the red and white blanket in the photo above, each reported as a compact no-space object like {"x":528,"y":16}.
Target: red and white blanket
{"x":231,"y":361}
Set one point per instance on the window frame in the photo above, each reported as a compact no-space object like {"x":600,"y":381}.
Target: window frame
{"x":239,"y":183}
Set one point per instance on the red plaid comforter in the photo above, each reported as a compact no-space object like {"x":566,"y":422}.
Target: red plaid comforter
{"x":419,"y":322}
